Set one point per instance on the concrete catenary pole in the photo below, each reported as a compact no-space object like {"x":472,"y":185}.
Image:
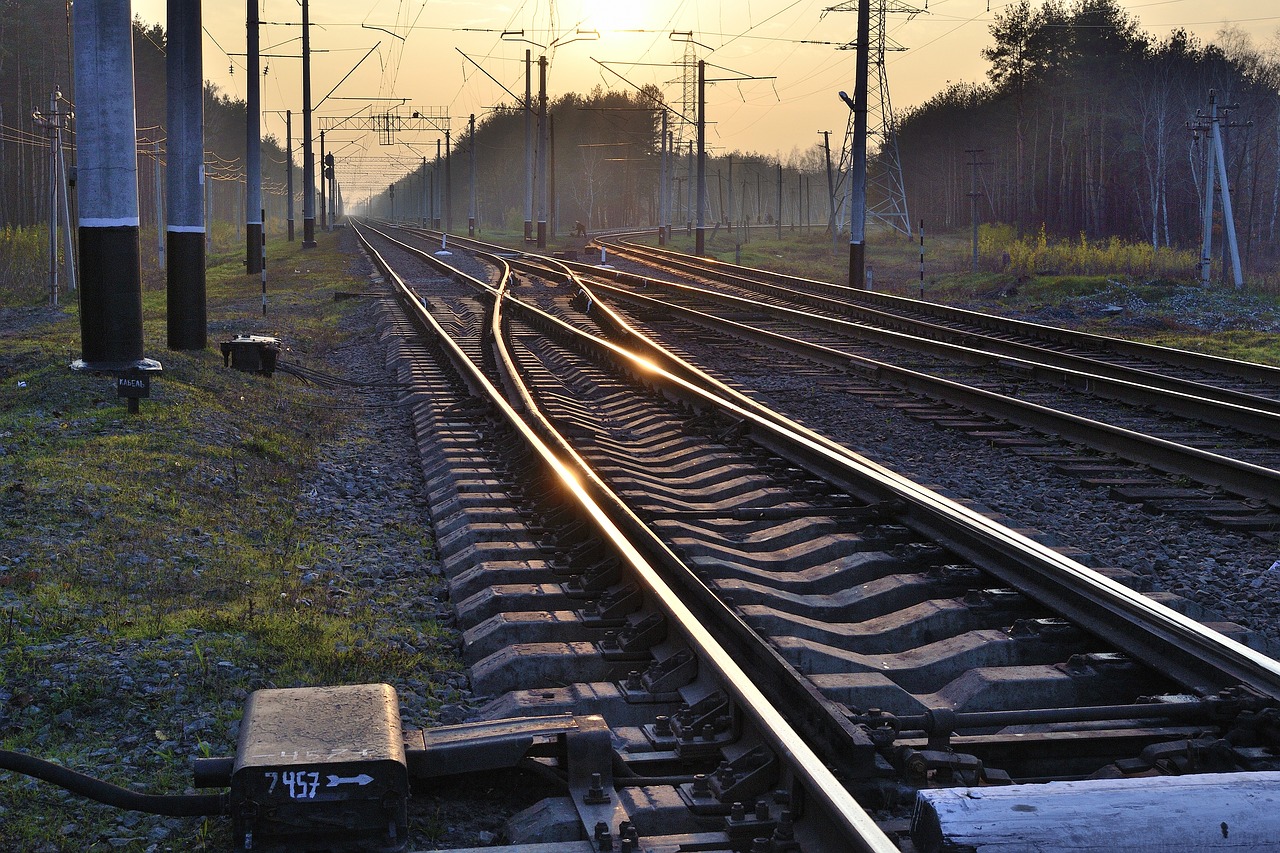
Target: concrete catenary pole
{"x":831,"y":190}
{"x":107,"y":161}
{"x":308,"y":156}
{"x":700,"y":236}
{"x":288,"y":166}
{"x":664,"y":193}
{"x":185,"y":277}
{"x":688,"y":200}
{"x":858,"y":167}
{"x":528,"y":144}
{"x":253,"y":148}
{"x":542,"y":152}
{"x":448,"y":181}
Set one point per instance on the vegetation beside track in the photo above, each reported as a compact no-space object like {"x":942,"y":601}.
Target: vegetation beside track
{"x":155,"y":568}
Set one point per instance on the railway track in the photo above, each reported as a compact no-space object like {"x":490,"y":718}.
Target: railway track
{"x":790,"y":647}
{"x":1217,"y":430}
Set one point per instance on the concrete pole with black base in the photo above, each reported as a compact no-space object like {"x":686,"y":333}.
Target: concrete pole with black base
{"x":308,"y":156}
{"x":528,"y":145}
{"x":288,"y":166}
{"x":448,"y":182}
{"x":111,"y":273}
{"x":253,"y":150}
{"x":858,"y":166}
{"x":700,"y":236}
{"x":185,"y":282}
{"x":542,"y":153}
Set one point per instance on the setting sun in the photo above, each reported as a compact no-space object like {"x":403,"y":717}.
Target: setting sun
{"x":613,"y":16}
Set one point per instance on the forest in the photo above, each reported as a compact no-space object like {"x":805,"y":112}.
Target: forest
{"x":1085,"y":126}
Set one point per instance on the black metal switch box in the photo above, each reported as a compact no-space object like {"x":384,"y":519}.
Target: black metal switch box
{"x":251,"y":353}
{"x":321,"y":769}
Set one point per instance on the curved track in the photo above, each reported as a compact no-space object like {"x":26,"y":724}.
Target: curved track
{"x":627,"y":537}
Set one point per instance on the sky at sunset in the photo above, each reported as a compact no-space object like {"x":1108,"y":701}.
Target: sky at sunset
{"x":792,"y":44}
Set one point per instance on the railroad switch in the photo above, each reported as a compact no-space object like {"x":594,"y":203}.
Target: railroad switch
{"x":327,"y":769}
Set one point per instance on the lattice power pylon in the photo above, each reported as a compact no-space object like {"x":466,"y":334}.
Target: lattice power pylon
{"x":686,"y":128}
{"x":886,"y":187}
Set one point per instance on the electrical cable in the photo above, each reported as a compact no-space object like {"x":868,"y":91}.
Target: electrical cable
{"x":329,"y":380}
{"x":170,"y":805}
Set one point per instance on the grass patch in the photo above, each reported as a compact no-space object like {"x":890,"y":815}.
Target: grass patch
{"x":169,"y":542}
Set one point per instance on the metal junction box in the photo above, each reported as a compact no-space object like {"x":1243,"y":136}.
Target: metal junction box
{"x":251,"y":353}
{"x":321,"y":769}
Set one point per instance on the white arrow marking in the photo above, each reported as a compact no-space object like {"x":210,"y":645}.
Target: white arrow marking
{"x":362,"y":779}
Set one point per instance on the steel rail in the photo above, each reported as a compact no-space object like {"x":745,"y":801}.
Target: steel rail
{"x":819,"y":782}
{"x":1222,"y":406}
{"x":1250,"y":371}
{"x":1236,"y":476}
{"x":1130,"y":621}
{"x":1233,"y":410}
{"x":1143,"y":628}
{"x":820,"y":717}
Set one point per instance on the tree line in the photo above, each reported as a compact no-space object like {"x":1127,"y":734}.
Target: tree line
{"x":1084,"y":126}
{"x":605,"y":167}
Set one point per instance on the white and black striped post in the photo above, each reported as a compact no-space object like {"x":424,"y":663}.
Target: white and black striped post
{"x":253,"y":148}
{"x":185,"y":276}
{"x":111,"y":273}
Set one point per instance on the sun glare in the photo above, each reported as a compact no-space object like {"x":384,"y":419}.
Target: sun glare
{"x":615,"y":15}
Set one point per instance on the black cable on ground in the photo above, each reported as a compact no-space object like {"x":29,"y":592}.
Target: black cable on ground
{"x":171,"y":805}
{"x":332,"y":381}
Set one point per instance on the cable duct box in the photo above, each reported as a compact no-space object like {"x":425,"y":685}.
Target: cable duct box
{"x":251,"y":353}
{"x":321,"y":769}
